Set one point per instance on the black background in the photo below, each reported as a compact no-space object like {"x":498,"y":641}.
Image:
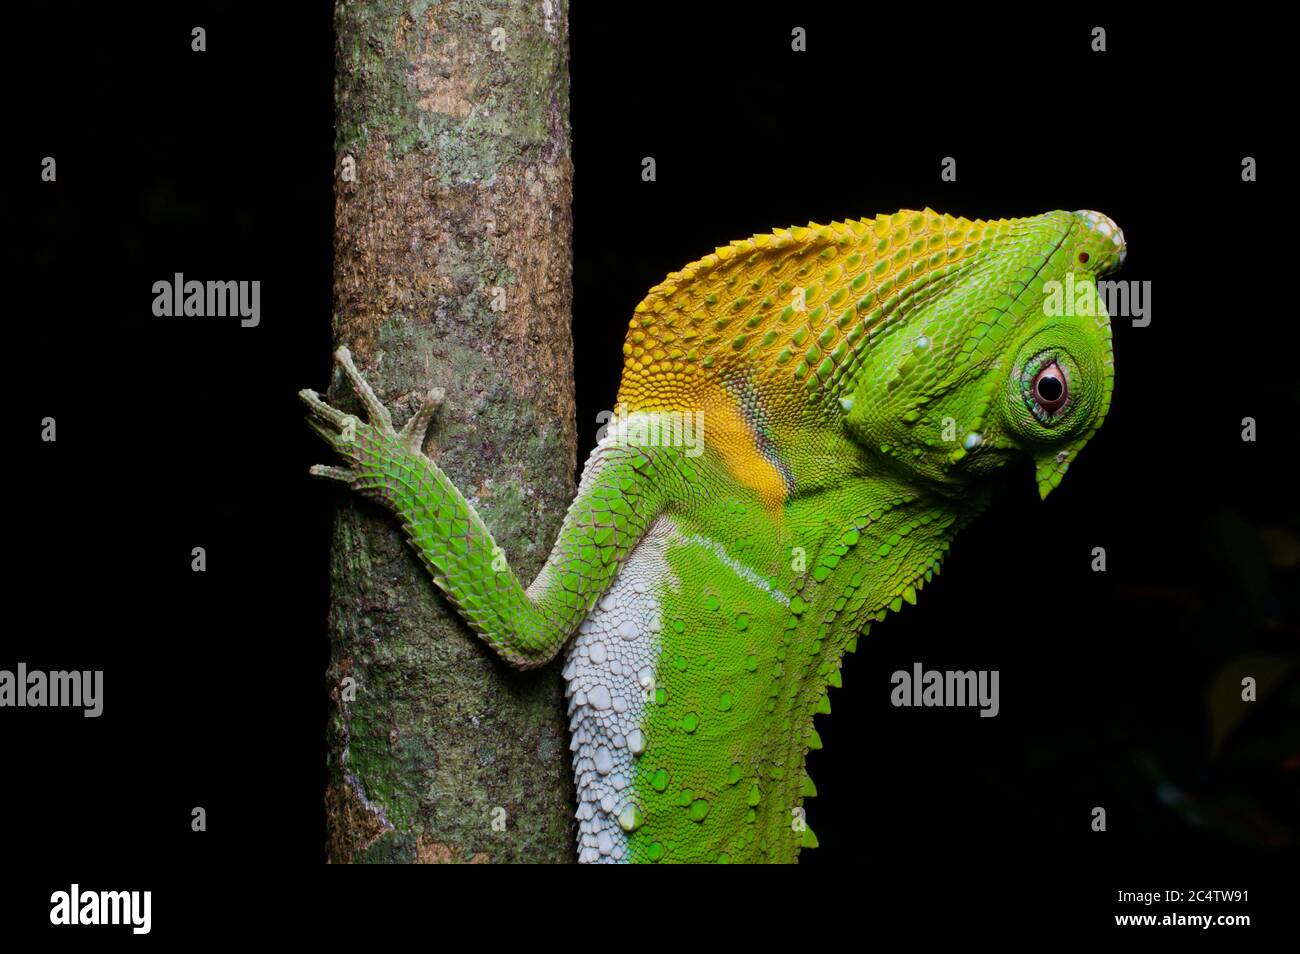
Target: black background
{"x":182,"y":434}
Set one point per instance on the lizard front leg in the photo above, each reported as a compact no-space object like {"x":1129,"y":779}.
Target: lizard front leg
{"x":620,"y":493}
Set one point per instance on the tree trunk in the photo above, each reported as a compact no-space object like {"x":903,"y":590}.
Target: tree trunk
{"x":451,"y":269}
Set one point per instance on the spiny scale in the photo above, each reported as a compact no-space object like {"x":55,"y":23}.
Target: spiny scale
{"x":739,"y":308}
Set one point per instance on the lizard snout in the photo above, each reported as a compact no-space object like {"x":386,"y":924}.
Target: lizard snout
{"x":1106,"y":230}
{"x":1108,"y":235}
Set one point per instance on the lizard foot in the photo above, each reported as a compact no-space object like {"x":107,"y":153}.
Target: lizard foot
{"x":355,"y":440}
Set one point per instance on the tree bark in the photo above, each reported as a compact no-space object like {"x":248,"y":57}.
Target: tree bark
{"x":451,"y":269}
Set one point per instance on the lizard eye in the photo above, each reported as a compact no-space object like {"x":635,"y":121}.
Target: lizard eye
{"x":1050,"y":390}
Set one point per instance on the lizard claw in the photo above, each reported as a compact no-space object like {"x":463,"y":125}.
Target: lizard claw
{"x":412,"y":435}
{"x":375,"y":410}
{"x":335,"y":428}
{"x":334,"y":473}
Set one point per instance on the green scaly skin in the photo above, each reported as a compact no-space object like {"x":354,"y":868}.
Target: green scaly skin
{"x":854,"y":381}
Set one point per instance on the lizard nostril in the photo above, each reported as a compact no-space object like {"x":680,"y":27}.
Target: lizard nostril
{"x":1104,"y":225}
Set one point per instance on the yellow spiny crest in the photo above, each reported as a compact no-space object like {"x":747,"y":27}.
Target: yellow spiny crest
{"x":788,"y":313}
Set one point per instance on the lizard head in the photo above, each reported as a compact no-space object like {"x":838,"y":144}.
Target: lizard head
{"x":1006,"y":356}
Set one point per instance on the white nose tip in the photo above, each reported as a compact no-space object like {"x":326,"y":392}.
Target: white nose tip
{"x":1106,"y":226}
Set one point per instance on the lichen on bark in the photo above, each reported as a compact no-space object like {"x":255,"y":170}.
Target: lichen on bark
{"x":452,"y":270}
